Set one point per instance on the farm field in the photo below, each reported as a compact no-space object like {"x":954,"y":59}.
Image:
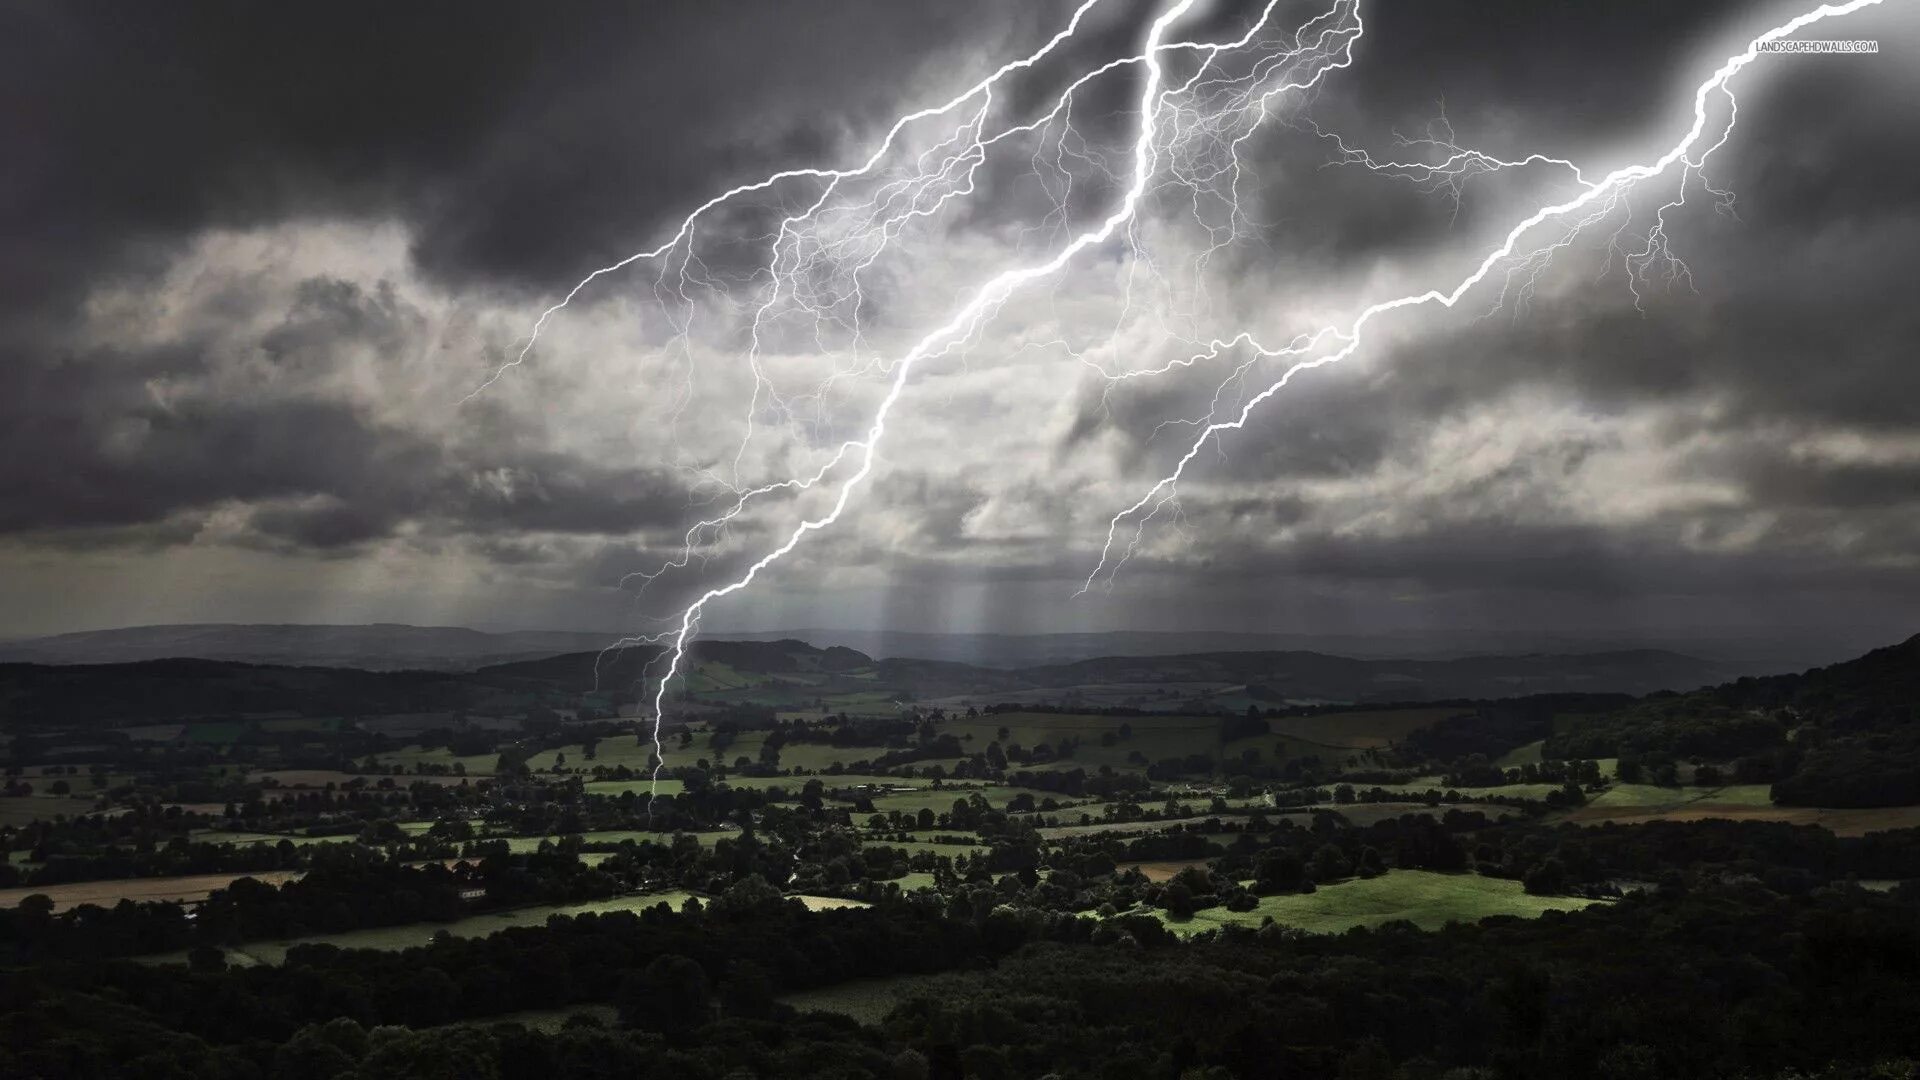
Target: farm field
{"x":23,"y":809}
{"x":917,"y":847}
{"x":1362,"y":814}
{"x":829,"y":903}
{"x":941,"y":800}
{"x":843,"y":780}
{"x":523,"y":844}
{"x":411,"y":757}
{"x":1162,"y":870}
{"x":405,"y":937}
{"x":1427,"y":899}
{"x":318,"y":779}
{"x":110,"y":892}
{"x":1630,"y":804}
{"x":1522,"y":755}
{"x":1514,"y":791}
{"x":800,"y":756}
{"x":224,"y":836}
{"x":633,"y":751}
{"x":642,"y":787}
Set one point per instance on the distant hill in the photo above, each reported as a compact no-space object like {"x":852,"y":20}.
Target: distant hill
{"x":1306,"y":676}
{"x":373,"y":647}
{"x":791,"y":672}
{"x":609,"y":668}
{"x":395,"y":647}
{"x":1847,"y":734}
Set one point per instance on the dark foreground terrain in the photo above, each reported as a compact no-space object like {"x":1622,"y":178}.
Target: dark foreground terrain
{"x":843,"y":867}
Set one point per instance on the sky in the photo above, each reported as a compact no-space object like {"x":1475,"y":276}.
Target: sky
{"x":259,"y":258}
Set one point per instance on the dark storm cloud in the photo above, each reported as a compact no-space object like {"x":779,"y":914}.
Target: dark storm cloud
{"x":517,"y":145}
{"x":526,"y":143}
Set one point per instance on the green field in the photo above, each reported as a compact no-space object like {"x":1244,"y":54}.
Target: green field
{"x":1535,"y":792}
{"x":411,"y":757}
{"x":633,"y":751}
{"x":1522,"y":755}
{"x":916,"y":847}
{"x":641,"y":788}
{"x":1651,"y":795}
{"x":942,"y":800}
{"x":1426,"y":899}
{"x":1154,"y":736}
{"x":522,"y":844}
{"x":843,"y":780}
{"x":23,"y":809}
{"x":416,"y":934}
{"x":223,"y":836}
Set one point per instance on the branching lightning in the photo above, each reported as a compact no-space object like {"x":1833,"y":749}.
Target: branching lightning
{"x":1199,"y":104}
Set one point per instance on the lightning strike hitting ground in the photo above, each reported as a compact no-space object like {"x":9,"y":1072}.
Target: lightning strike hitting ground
{"x":1199,"y":104}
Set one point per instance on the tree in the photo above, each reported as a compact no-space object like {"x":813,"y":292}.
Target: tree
{"x":1329,"y":864}
{"x":1547,"y":879}
{"x":671,"y":996}
{"x":1279,"y":872}
{"x":1369,"y":864}
{"x":748,"y":991}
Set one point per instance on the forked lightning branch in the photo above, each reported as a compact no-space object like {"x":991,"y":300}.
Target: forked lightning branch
{"x":1198,"y":107}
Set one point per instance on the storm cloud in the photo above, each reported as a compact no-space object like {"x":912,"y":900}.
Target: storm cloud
{"x":258,"y":255}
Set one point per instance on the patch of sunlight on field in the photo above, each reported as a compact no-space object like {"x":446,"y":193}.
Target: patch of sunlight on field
{"x":1426,"y":899}
{"x":829,"y":903}
{"x":1522,"y":755}
{"x":1652,"y":795}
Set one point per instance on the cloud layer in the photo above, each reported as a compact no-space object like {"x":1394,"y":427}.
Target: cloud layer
{"x":259,"y":254}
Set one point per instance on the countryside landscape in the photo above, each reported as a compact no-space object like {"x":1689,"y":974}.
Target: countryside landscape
{"x":836,"y":865}
{"x":959,"y":540}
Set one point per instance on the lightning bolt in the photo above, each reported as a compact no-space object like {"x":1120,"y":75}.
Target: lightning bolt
{"x":1193,"y":124}
{"x":1598,"y":200}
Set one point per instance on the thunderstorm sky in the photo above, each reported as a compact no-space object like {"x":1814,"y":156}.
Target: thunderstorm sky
{"x":254,"y":256}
